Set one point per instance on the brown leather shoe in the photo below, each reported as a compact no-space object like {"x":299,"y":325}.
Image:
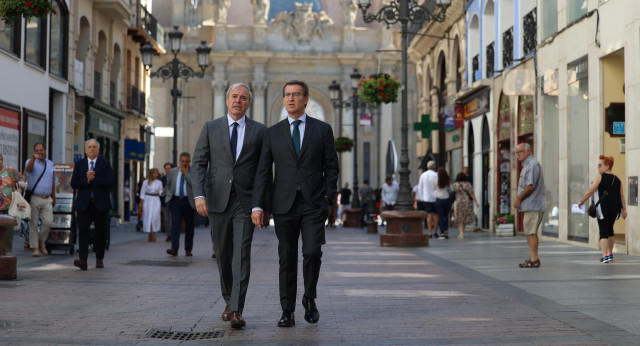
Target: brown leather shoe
{"x":188,"y":254}
{"x":172,"y":252}
{"x":237,"y":322}
{"x":99,"y":264}
{"x":82,"y":264}
{"x":225,"y":314}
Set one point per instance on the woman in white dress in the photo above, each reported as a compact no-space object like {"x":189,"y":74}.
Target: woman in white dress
{"x":150,"y":203}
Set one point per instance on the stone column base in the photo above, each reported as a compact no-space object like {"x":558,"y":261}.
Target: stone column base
{"x":352,"y":217}
{"x":404,"y":228}
{"x":8,"y":264}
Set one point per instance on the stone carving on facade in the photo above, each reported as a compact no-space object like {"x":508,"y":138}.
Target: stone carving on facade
{"x":348,"y":10}
{"x":221,"y":11}
{"x":260,"y":11}
{"x":304,"y":24}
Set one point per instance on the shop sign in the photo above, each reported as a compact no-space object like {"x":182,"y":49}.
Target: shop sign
{"x":618,"y":128}
{"x":459,"y":116}
{"x":134,"y":150}
{"x":106,"y":127}
{"x":449,"y":116}
{"x":478,"y":105}
{"x":10,"y":137}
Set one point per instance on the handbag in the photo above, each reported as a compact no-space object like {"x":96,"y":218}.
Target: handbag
{"x":27,"y":193}
{"x":19,"y":208}
{"x":592,"y":211}
{"x":452,"y":195}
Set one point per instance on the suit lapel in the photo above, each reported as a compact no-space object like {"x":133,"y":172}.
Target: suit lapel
{"x":308,"y":132}
{"x":249,"y":129}
{"x":223,"y":132}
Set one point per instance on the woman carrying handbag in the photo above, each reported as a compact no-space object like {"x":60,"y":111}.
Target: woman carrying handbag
{"x":609,"y":207}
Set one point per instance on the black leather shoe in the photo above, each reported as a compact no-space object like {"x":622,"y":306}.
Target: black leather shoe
{"x":82,"y":264}
{"x":311,"y":313}
{"x":172,"y":252}
{"x":99,"y":264}
{"x":287,"y":319}
{"x":237,"y":322}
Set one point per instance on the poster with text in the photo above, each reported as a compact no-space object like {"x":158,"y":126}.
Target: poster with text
{"x":10,"y":137}
{"x":63,"y":172}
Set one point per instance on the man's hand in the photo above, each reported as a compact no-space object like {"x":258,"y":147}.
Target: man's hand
{"x":184,"y":170}
{"x":201,"y":206}
{"x":257,"y":217}
{"x":91,"y":175}
{"x":516,"y":204}
{"x":53,"y":200}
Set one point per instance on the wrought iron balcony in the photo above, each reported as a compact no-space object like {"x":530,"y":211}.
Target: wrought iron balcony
{"x":490,"y":58}
{"x":507,"y":47}
{"x":145,"y":28}
{"x":136,"y":100}
{"x":530,"y":24}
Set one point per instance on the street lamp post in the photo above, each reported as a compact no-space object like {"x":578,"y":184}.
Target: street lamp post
{"x":176,"y":69}
{"x":405,"y":11}
{"x":335,"y":94}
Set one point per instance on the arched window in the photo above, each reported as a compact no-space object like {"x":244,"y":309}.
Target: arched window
{"x":59,"y":40}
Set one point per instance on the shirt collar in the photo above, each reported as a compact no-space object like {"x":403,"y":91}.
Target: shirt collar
{"x":303,"y":118}
{"x":240,"y":122}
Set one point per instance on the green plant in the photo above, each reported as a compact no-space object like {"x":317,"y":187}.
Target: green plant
{"x":12,"y":10}
{"x":378,"y":89}
{"x":343,"y":144}
{"x":499,"y":219}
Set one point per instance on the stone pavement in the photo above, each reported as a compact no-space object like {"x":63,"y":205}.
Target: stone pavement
{"x":453,"y":292}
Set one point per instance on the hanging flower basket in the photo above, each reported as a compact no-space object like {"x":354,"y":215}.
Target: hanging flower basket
{"x":343,"y":144}
{"x":378,"y":89}
{"x":12,"y":10}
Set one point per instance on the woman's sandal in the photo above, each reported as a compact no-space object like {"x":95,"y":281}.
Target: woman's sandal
{"x":530,"y":264}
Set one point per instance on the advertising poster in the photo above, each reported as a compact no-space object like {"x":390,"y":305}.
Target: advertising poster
{"x":449,"y":116}
{"x":10,"y":137}
{"x":63,"y":172}
{"x":365,"y":119}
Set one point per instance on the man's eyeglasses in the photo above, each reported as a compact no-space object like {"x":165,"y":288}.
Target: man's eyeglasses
{"x":519,"y":152}
{"x":295,"y":95}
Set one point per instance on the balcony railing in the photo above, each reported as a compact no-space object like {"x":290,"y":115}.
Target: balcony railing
{"x":530,"y":24}
{"x":136,"y":100}
{"x":507,"y":47}
{"x":475,"y":67}
{"x":148,"y":22}
{"x":490,"y":56}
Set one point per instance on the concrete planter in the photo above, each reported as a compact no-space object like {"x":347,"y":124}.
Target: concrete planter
{"x":505,"y":230}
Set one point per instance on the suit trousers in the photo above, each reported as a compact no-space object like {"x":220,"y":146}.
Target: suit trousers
{"x":181,"y":209}
{"x":84,"y":219}
{"x":232,"y":234}
{"x":307,"y":219}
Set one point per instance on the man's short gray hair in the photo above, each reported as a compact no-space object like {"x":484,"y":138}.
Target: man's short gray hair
{"x":526,"y":147}
{"x":92,"y":140}
{"x":431,"y":165}
{"x":235,"y":85}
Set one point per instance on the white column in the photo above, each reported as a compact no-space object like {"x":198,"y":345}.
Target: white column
{"x":219,"y":93}
{"x":259,"y":110}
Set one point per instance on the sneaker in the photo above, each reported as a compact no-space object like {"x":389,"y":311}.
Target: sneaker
{"x":610,"y":257}
{"x":442,"y":236}
{"x":435,"y":236}
{"x":604,"y":259}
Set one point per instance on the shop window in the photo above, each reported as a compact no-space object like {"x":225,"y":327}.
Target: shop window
{"x":549,"y":18}
{"x":10,"y":37}
{"x":525,"y":115}
{"x":35,"y":41}
{"x":504,"y":155}
{"x":59,"y":41}
{"x":575,"y":10}
{"x":550,"y":168}
{"x":578,"y":146}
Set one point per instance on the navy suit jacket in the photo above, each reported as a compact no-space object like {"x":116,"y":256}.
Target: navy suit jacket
{"x":100,"y":186}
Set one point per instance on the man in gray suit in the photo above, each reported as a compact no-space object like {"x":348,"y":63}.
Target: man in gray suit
{"x":306,"y":176}
{"x":229,"y":150}
{"x":179,"y":198}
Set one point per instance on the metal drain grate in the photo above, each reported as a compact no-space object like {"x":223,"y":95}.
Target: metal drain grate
{"x":184,"y":336}
{"x":158,"y":263}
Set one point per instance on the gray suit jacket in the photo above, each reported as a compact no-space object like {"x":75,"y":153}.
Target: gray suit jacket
{"x":316,"y":171}
{"x":171,"y":185}
{"x":213,"y":151}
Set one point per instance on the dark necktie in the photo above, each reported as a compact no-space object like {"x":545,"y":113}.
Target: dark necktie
{"x":296,"y":136}
{"x":181,"y":192}
{"x":234,"y":141}
{"x":91,"y":166}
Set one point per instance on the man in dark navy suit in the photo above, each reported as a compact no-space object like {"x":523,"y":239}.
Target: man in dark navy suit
{"x":92,"y":179}
{"x":305,"y":181}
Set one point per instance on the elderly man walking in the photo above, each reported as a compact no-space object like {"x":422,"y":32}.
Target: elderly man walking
{"x":530,"y":200}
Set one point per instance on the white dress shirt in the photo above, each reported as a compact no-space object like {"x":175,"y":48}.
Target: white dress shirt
{"x":301,"y":126}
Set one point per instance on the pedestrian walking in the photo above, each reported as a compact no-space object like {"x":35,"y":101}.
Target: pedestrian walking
{"x":345,"y":201}
{"x":530,"y":200}
{"x":428,"y":181}
{"x":463,"y":203}
{"x":443,"y":204}
{"x":609,"y":204}
{"x":126,"y":197}
{"x":228,"y":152}
{"x":179,"y":195}
{"x":306,"y":176}
{"x":367,"y":199}
{"x":150,"y":204}
{"x":164,"y":205}
{"x":10,"y":179}
{"x":43,"y":198}
{"x":93,"y":180}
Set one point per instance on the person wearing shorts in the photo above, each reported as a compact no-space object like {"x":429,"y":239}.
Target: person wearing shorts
{"x":427,"y":185}
{"x":530,"y":201}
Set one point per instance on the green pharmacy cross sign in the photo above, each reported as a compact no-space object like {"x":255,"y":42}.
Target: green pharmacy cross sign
{"x":425,"y":126}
